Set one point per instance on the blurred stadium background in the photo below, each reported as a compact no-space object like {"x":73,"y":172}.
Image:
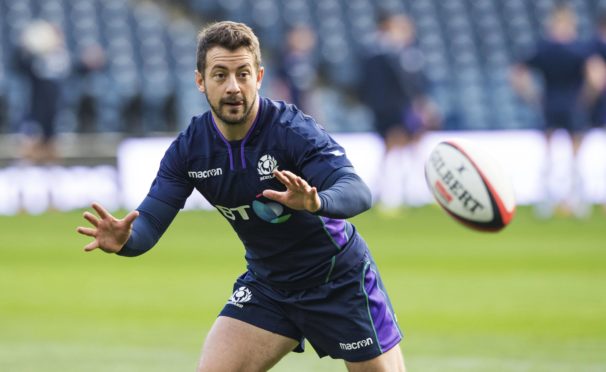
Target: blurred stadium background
{"x":469,"y":46}
{"x":528,"y":299}
{"x":145,"y":88}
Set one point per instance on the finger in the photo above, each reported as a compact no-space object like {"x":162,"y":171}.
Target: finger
{"x":317,"y":202}
{"x":91,"y":218}
{"x":290,"y":175}
{"x":91,"y":246}
{"x":294,"y":180}
{"x":273,"y":195}
{"x":283,"y":178}
{"x":313,"y":203}
{"x":132,"y":216}
{"x":102,"y":212}
{"x":280,"y":175}
{"x":87,"y":231}
{"x":302,"y":184}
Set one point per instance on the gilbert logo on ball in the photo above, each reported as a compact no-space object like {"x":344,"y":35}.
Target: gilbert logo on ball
{"x":469,"y":184}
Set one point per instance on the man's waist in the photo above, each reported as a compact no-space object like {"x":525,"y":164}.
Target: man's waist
{"x":333,"y":267}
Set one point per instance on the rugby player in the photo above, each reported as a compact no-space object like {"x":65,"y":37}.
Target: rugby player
{"x":287,"y":188}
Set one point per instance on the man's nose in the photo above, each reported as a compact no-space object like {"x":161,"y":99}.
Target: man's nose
{"x":232,"y":84}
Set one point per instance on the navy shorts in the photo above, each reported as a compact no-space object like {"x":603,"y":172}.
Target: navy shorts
{"x":574,"y":120}
{"x":349,"y":318}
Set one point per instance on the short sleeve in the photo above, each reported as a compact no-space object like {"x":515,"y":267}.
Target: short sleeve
{"x":538,"y":56}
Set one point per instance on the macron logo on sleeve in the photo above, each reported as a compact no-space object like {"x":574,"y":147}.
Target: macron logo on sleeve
{"x":337,"y":153}
{"x":205,"y":173}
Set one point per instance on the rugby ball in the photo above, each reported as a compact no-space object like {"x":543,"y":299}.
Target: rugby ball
{"x":469,"y":184}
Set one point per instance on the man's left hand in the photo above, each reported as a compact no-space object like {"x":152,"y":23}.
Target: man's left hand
{"x":299,"y":195}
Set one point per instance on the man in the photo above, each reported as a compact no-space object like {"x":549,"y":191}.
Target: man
{"x":298,"y":67}
{"x":395,"y":88}
{"x":285,"y":187}
{"x":43,"y":60}
{"x":597,"y":75}
{"x":563,"y":62}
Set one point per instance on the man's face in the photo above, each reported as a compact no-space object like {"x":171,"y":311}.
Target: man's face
{"x":230,"y":82}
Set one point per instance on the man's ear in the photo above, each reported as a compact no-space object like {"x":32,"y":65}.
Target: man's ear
{"x":260,"y":77}
{"x":199,"y":81}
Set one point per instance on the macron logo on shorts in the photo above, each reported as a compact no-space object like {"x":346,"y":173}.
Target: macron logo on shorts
{"x":356,"y":345}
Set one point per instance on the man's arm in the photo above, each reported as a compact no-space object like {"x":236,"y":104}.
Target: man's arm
{"x":109,"y":233}
{"x":523,"y":84}
{"x":134,"y":234}
{"x":343,"y":194}
{"x":154,"y":218}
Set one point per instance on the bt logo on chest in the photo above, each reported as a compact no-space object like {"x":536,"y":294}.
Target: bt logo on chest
{"x":265,"y":209}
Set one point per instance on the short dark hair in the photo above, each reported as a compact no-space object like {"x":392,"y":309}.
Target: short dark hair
{"x":228,"y":35}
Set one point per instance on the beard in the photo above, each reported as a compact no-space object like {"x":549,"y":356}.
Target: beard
{"x":224,"y":104}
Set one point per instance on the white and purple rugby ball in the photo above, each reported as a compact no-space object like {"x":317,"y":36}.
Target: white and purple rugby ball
{"x":469,"y":184}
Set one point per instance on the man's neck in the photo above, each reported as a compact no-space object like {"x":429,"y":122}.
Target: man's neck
{"x":236,"y":132}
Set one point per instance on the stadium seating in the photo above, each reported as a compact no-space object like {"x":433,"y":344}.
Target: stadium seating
{"x":147,"y":84}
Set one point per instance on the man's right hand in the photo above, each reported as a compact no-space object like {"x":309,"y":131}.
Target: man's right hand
{"x":110,"y":233}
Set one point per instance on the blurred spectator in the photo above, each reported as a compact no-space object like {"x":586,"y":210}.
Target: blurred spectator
{"x":597,"y":72}
{"x":88,"y":69}
{"x":297,"y":71}
{"x":395,"y":88}
{"x":597,"y":75}
{"x":562,"y":61}
{"x":44,"y":61}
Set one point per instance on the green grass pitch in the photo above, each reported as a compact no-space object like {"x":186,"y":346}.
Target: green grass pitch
{"x":530,"y":298}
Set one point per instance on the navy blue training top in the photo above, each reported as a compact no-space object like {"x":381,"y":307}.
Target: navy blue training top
{"x":563,"y":68}
{"x":286,"y":248}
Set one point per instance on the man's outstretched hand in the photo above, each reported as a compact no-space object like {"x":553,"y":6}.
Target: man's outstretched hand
{"x":110,"y":233}
{"x":299,"y":195}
